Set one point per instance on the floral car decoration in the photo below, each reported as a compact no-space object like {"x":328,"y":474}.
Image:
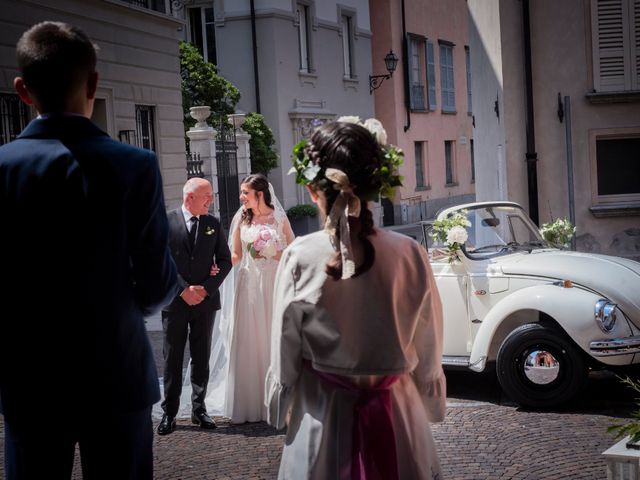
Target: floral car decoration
{"x":544,"y":316}
{"x":558,"y":233}
{"x":452,"y":232}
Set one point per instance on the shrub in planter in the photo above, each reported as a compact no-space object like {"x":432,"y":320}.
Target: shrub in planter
{"x":304,"y":210}
{"x":303,"y":219}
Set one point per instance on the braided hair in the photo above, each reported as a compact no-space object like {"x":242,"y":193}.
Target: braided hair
{"x":259,"y":183}
{"x":354,"y":150}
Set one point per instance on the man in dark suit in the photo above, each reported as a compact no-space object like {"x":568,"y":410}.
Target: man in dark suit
{"x":84,"y":255}
{"x":200,"y":250}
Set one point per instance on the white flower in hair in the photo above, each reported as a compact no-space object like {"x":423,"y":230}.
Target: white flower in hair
{"x":350,"y":119}
{"x":375,"y":127}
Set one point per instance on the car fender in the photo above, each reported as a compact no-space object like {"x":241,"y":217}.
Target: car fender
{"x":572,"y":308}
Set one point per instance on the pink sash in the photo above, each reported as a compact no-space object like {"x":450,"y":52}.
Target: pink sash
{"x":373,"y":452}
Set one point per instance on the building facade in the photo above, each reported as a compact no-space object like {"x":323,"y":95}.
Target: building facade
{"x":557,"y":113}
{"x":296,"y":62}
{"x":426,"y":105}
{"x":139,"y":99}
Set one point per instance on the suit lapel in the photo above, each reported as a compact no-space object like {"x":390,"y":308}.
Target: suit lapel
{"x":180,"y":228}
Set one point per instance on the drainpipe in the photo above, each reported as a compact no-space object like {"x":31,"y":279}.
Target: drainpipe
{"x":531,"y":155}
{"x":256,"y":77}
{"x":405,"y":64}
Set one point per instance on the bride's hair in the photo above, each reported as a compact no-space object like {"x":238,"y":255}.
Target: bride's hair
{"x":259,"y":183}
{"x":354,"y":150}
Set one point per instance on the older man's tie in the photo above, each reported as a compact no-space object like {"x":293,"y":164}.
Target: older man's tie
{"x":192,"y":231}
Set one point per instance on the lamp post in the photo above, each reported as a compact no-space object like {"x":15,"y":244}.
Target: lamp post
{"x":391,"y":62}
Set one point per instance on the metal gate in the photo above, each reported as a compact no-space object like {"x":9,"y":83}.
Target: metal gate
{"x":227,"y":164}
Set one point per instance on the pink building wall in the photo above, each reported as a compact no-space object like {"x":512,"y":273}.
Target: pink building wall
{"x":434,"y":20}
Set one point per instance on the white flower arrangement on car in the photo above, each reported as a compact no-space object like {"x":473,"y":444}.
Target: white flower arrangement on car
{"x":263,"y":242}
{"x":452,"y":233}
{"x":558,"y":233}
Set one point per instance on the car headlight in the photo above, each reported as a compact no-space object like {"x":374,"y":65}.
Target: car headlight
{"x":605,"y":313}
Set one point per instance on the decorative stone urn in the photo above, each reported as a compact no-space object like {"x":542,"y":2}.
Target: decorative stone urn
{"x":237,"y":119}
{"x":200,"y":114}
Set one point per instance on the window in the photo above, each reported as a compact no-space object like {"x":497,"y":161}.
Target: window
{"x":145,"y":130}
{"x":346,"y":24}
{"x":618,"y":166}
{"x":14,"y":116}
{"x":419,"y":165}
{"x":447,"y":91}
{"x":202,"y":32}
{"x":615,"y":27}
{"x":415,"y":73}
{"x":431,"y":75}
{"x":449,"y":163}
{"x":615,"y":171}
{"x":302,"y":13}
{"x":467,"y":56}
{"x":473,"y":162}
{"x":156,"y":5}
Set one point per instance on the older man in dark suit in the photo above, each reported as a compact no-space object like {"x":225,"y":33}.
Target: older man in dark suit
{"x":201,"y":252}
{"x":84,"y":255}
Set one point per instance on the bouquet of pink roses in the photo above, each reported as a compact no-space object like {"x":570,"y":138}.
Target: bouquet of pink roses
{"x":264,"y":241}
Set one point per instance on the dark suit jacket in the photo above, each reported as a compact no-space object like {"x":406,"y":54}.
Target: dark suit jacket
{"x":194,"y":266}
{"x":83,"y":255}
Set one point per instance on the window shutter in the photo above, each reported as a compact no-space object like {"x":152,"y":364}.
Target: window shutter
{"x":634,"y":13}
{"x":431,"y":75}
{"x":610,"y":23}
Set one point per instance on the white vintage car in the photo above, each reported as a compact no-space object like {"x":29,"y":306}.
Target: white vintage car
{"x":545,"y":316}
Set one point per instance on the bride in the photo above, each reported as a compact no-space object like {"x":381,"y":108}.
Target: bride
{"x":239,"y":359}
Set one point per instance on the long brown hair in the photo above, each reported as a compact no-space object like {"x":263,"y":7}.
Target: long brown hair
{"x":354,"y":150}
{"x":259,"y":183}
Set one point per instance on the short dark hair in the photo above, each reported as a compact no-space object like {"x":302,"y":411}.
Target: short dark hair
{"x":55,"y":59}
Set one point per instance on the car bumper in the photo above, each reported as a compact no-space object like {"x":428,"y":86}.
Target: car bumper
{"x":615,"y":346}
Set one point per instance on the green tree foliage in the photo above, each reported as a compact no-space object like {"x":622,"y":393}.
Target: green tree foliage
{"x":263,"y":156}
{"x":201,"y":85}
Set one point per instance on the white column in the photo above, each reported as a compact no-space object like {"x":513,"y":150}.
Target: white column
{"x":243,"y":154}
{"x":202,"y":141}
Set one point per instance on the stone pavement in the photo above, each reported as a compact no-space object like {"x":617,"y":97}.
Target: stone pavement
{"x":484,"y":435}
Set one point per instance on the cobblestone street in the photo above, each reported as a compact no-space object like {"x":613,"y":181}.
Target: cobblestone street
{"x":484,"y":436}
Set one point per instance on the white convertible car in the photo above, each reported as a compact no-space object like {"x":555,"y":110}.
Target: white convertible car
{"x":545,"y":316}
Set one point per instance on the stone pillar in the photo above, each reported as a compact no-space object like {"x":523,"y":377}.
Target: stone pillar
{"x":242,"y":141}
{"x":202,"y":140}
{"x":376,"y":211}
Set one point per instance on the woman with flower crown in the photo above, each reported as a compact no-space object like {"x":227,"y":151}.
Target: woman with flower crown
{"x":356,"y":342}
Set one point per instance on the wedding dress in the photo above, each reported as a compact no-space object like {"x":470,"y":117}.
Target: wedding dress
{"x":240,"y":350}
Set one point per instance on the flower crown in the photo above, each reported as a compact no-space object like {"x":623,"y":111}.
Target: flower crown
{"x":308,"y":172}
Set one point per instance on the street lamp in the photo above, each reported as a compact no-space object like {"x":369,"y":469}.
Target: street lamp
{"x":390,"y":61}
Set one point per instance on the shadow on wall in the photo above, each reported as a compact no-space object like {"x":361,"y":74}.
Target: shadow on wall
{"x":623,"y":244}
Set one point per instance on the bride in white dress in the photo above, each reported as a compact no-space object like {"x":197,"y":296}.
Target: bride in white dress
{"x":242,"y":332}
{"x":257,"y":240}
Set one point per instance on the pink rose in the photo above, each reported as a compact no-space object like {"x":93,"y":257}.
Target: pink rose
{"x":265,"y":235}
{"x":259,"y":244}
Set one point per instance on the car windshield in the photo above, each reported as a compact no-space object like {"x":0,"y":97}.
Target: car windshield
{"x":498,"y":230}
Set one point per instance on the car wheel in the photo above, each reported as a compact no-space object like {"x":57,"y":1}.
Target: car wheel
{"x":538,"y":367}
